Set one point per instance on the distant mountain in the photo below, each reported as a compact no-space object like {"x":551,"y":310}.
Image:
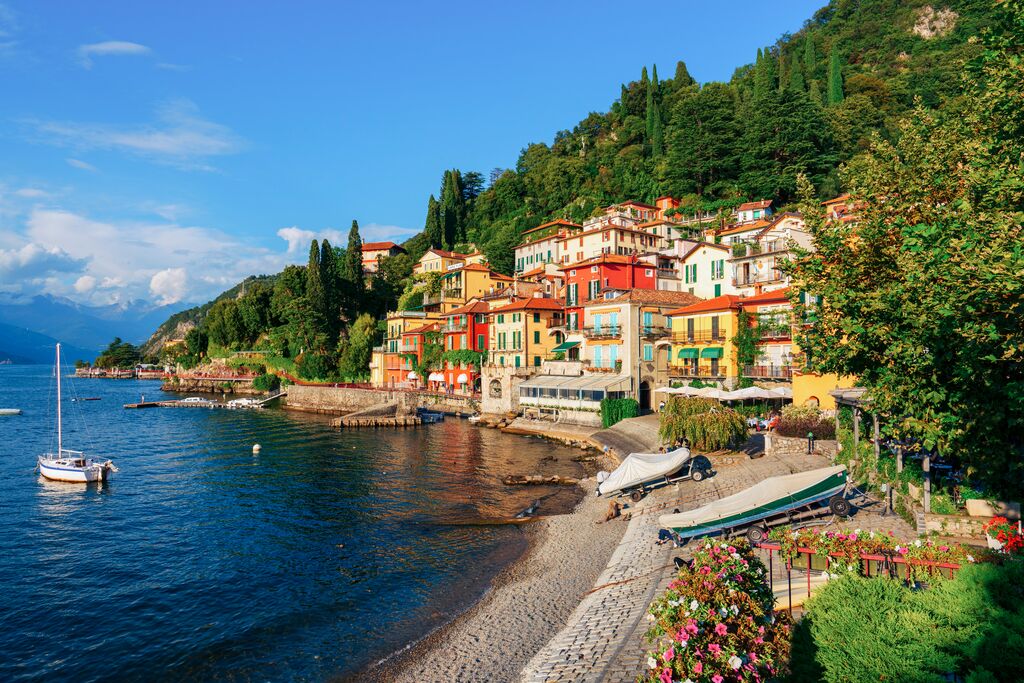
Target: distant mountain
{"x":88,"y":327}
{"x":22,"y":346}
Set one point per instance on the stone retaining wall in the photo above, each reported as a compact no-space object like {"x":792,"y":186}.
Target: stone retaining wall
{"x":192,"y":385}
{"x":958,"y":526}
{"x":342,"y":400}
{"x":793,"y":446}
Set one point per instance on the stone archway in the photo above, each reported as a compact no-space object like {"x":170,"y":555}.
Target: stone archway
{"x":494,"y":389}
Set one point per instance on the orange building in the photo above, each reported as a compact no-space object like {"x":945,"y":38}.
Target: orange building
{"x":376,"y":250}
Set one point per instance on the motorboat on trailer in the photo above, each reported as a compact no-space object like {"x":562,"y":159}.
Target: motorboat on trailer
{"x":754,"y":509}
{"x":641,"y":472}
{"x":66,"y":464}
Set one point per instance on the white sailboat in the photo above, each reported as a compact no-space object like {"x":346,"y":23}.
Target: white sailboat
{"x":69,"y":465}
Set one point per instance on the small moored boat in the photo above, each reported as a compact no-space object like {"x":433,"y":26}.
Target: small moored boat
{"x":751,"y":509}
{"x":66,"y":464}
{"x":10,"y":411}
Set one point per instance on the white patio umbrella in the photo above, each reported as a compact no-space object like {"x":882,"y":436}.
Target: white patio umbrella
{"x":782,"y":392}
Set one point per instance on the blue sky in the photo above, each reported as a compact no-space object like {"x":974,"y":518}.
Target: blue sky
{"x":166,"y":150}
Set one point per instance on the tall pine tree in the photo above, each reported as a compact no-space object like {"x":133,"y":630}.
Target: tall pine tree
{"x":682,"y":79}
{"x":315,"y":333}
{"x":453,"y":209}
{"x":835,"y":77}
{"x":328,"y":270}
{"x":655,"y":135}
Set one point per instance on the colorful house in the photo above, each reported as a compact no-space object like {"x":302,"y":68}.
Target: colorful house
{"x":606,"y":237}
{"x":395,"y":370}
{"x":520,"y":331}
{"x":752,"y":211}
{"x":413,"y":345}
{"x":770,"y":314}
{"x":464,"y":329}
{"x":756,"y":258}
{"x":585,"y":281}
{"x":701,"y":341}
{"x":377,"y":250}
{"x":438,"y":261}
{"x":703,"y":269}
{"x":464,"y":282}
{"x":542,"y":245}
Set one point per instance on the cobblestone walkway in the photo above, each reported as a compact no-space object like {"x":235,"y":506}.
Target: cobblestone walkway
{"x":603,"y":640}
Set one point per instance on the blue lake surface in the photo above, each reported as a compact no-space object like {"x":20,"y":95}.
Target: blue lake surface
{"x":201,"y":561}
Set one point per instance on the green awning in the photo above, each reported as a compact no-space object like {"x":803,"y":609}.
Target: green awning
{"x":687,"y":353}
{"x":715,"y":352}
{"x":565,"y":346}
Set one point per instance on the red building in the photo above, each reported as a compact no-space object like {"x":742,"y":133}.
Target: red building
{"x":464,"y":328}
{"x":584,"y":282}
{"x":412,"y":344}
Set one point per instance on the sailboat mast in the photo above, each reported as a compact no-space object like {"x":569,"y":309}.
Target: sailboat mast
{"x":60,"y":440}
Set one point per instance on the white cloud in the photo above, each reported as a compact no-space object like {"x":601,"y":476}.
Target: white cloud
{"x":169,"y":285}
{"x":33,"y":261}
{"x":31,"y":193}
{"x":179,"y":137}
{"x":374,"y":232}
{"x":85,"y":284}
{"x":109,"y":48}
{"x":167,"y":66}
{"x":82,"y":165}
{"x":298,"y":239}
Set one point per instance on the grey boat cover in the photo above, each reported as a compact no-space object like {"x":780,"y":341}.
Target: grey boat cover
{"x":789,"y":488}
{"x":638,"y":468}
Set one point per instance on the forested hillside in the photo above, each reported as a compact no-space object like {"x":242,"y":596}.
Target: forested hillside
{"x":809,"y":103}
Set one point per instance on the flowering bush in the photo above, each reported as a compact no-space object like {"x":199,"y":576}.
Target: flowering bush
{"x":844,"y":547}
{"x":715,"y":621}
{"x":1000,"y":529}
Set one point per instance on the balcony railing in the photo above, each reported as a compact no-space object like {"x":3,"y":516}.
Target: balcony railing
{"x":454,"y":327}
{"x":453,"y":293}
{"x":756,"y":279}
{"x":603,"y":332}
{"x":700,"y":371}
{"x":698,"y":337}
{"x":602,"y":368}
{"x":431,"y":299}
{"x":654,"y":331}
{"x":774,"y":332}
{"x":747,"y":249}
{"x":768,"y":371}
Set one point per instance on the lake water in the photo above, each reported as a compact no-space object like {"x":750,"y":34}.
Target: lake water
{"x":199,"y":560}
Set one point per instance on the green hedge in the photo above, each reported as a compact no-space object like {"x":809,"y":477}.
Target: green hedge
{"x":616,"y":409}
{"x":872,"y":629}
{"x":266,"y":382}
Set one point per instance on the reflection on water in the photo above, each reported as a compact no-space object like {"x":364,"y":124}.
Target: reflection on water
{"x":202,"y":560}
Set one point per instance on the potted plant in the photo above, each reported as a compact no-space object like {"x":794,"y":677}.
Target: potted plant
{"x":1003,"y":535}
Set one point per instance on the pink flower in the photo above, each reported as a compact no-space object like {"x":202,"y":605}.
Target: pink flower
{"x":944,"y":548}
{"x":705,"y":570}
{"x":669,"y":654}
{"x":752,"y":656}
{"x":903,"y":551}
{"x":714,"y":648}
{"x":760,"y":629}
{"x":691,"y":626}
{"x":698,"y":667}
{"x":721,"y":629}
{"x":717,"y":679}
{"x":853,"y":537}
{"x":666,"y":676}
{"x":731,"y":549}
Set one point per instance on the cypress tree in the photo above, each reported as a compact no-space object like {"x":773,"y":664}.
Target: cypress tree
{"x":353,"y":271}
{"x":453,"y":208}
{"x":654,"y":81}
{"x":683,"y":78}
{"x":835,"y":78}
{"x":432,"y":227}
{"x":810,"y":61}
{"x":315,"y":328}
{"x":796,"y":77}
{"x":765,"y":76}
{"x":784,"y":69}
{"x":328,"y":271}
{"x":654,"y":129}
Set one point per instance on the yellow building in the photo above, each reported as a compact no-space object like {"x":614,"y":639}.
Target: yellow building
{"x":519,"y":332}
{"x":471,"y":281}
{"x":702,"y":341}
{"x":398,"y":323}
{"x":438,"y":261}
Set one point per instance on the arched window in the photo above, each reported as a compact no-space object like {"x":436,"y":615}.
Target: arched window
{"x":812,"y":401}
{"x":495,"y":388}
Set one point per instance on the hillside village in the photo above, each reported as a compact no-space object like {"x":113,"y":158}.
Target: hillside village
{"x":640,"y":298}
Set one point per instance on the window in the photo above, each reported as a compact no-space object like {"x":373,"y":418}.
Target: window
{"x":598,"y":357}
{"x":501,"y":318}
{"x":571,"y":295}
{"x":597,"y":323}
{"x":592,"y":288}
{"x":517,"y":361}
{"x":536,"y":336}
{"x":593,"y":269}
{"x":536,"y":361}
{"x":479,"y":342}
{"x":689,"y":328}
{"x":648,"y":352}
{"x":536,"y":317}
{"x":649,"y":272}
{"x":613,"y":355}
{"x":615,"y":323}
{"x":462,"y":341}
{"x":718,"y":290}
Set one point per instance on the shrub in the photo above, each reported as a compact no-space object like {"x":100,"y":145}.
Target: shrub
{"x":871,"y":629}
{"x":715,"y":621}
{"x":316,"y":366}
{"x":702,"y":422}
{"x":799,"y":420}
{"x":616,"y":409}
{"x":266,"y":382}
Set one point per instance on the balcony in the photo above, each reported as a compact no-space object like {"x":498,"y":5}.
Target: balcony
{"x":603,"y":332}
{"x":757,"y":279}
{"x":654,"y":331}
{"x":431,"y":299}
{"x":454,"y":327}
{"x":603,"y":368}
{"x":743,"y":250}
{"x":774,"y":332}
{"x":698,"y":337}
{"x":453,"y":293}
{"x":702,"y":371}
{"x":768,"y":371}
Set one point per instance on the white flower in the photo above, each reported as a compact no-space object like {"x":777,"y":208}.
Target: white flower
{"x":897,"y":548}
{"x":724,"y":612}
{"x":970,"y":558}
{"x":857,"y":531}
{"x":683,"y":644}
{"x":688,"y":681}
{"x":735,"y":662}
{"x":734,"y":609}
{"x":872,"y":534}
{"x":694,"y":604}
{"x":673,"y":603}
{"x":650,"y":617}
{"x":652,"y":663}
{"x":918,"y":543}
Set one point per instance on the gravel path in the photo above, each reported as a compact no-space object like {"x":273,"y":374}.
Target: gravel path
{"x":530,"y":602}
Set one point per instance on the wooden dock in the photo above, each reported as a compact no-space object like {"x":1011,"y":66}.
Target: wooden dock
{"x":206,"y":404}
{"x":376,"y":421}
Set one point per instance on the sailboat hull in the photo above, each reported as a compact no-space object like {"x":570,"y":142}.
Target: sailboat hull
{"x":63,"y":471}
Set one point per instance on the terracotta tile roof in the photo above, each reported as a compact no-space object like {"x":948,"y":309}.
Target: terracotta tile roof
{"x":747,"y":206}
{"x":420,"y":330}
{"x":840,"y":198}
{"x":532,"y":304}
{"x":766,"y":297}
{"x":539,"y":270}
{"x":631,"y":203}
{"x":657,"y":221}
{"x":380,"y":246}
{"x":602,"y":228}
{"x":746,"y":227}
{"x":568,"y":224}
{"x":475,"y":307}
{"x":719,"y":303}
{"x":657,"y":297}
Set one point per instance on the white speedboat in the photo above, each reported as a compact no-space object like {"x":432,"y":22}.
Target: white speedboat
{"x":10,"y":411}
{"x":69,"y":465}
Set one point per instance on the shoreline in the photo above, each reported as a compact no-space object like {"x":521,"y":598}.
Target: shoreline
{"x":525,"y":606}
